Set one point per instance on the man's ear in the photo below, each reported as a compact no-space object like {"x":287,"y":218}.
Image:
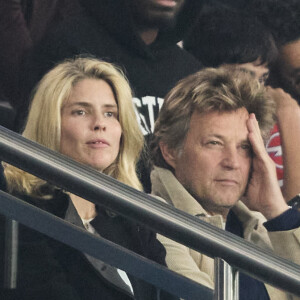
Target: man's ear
{"x":168,"y":154}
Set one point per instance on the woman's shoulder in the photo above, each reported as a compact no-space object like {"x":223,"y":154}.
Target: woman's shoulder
{"x":49,"y":198}
{"x":55,"y":201}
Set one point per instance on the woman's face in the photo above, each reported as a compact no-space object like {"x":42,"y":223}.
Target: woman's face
{"x":258,"y":70}
{"x":90,"y":128}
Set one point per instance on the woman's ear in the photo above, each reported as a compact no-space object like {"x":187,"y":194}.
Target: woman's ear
{"x":168,"y":154}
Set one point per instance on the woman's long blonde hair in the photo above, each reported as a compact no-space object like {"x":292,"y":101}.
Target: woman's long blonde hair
{"x":44,"y":120}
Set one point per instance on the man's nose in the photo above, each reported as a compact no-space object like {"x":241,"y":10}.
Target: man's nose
{"x":231,"y":158}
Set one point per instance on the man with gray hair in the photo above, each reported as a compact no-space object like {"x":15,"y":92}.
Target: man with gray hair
{"x":208,"y":151}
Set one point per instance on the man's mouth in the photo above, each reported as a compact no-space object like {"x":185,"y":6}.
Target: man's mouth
{"x":227,"y":182}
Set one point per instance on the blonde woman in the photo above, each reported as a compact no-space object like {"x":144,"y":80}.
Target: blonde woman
{"x":83,"y":109}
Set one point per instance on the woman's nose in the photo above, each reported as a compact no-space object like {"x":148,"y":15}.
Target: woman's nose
{"x":99,"y":123}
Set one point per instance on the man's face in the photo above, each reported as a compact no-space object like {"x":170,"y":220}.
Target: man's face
{"x":215,"y":160}
{"x":289,"y":66}
{"x":156,"y":14}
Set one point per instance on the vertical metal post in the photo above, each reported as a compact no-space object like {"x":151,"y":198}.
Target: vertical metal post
{"x":226,"y":281}
{"x":10,"y":254}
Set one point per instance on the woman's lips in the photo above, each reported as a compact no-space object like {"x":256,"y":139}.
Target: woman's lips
{"x":98,"y":143}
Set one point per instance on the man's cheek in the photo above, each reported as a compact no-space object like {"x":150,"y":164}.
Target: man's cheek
{"x":247,"y":180}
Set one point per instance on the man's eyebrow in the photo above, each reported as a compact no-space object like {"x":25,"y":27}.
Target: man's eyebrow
{"x":223,"y":137}
{"x":245,"y":142}
{"x":215,"y":135}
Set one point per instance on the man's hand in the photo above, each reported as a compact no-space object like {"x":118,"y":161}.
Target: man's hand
{"x":263,"y":192}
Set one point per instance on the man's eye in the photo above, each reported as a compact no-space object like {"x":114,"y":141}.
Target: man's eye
{"x":214,"y":143}
{"x":247,"y":148}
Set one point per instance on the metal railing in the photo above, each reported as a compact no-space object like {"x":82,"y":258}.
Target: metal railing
{"x":100,"y":248}
{"x":160,"y":217}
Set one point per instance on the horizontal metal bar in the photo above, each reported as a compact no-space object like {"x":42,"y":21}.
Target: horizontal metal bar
{"x":101,"y":248}
{"x":177,"y":225}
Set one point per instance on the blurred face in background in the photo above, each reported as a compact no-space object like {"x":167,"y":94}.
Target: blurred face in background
{"x":258,"y":70}
{"x":289,"y":67}
{"x":90,"y":128}
{"x":158,"y":14}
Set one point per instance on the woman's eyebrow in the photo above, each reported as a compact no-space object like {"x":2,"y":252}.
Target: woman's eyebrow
{"x":90,"y":105}
{"x":111,"y":105}
{"x":79,"y":103}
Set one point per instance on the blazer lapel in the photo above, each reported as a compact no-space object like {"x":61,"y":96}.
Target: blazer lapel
{"x":108,"y":272}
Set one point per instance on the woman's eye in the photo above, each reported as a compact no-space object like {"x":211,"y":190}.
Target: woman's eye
{"x":109,"y":114}
{"x":78,"y":112}
{"x":263,"y":79}
{"x":214,"y":143}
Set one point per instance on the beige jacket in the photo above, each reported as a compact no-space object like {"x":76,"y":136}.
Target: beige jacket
{"x":200,"y":267}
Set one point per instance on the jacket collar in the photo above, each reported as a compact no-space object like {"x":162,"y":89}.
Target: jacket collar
{"x":108,"y":272}
{"x":166,"y":186}
{"x":72,"y":215}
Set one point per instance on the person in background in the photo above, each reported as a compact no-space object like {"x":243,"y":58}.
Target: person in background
{"x":282,"y":20}
{"x":224,"y":36}
{"x":140,"y":36}
{"x":83,"y":109}
{"x":23,"y":24}
{"x":208,"y":154}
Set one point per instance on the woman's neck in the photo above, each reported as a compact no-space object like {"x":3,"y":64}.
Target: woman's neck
{"x":85,"y":209}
